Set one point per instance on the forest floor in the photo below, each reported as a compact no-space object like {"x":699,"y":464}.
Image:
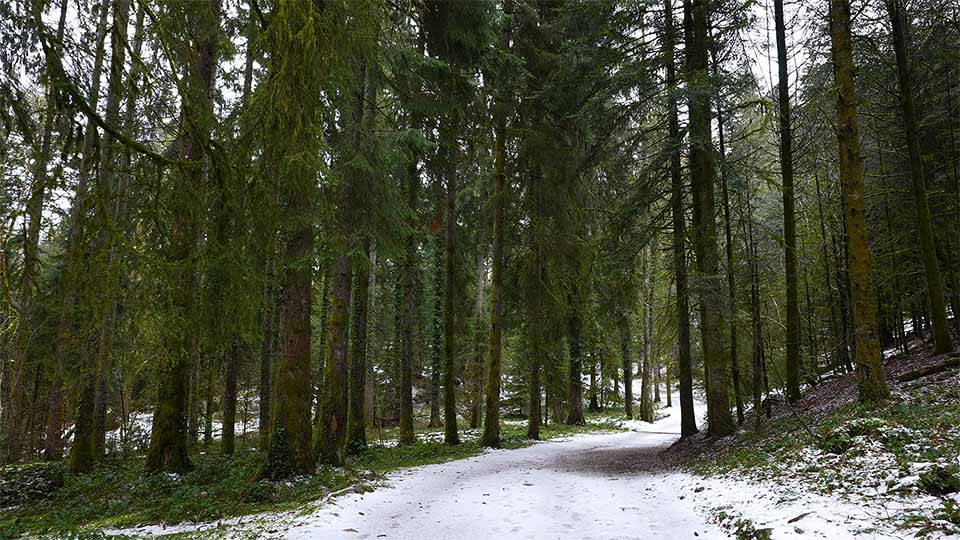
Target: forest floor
{"x":595,"y":485}
{"x":822,"y":468}
{"x":886,"y":472}
{"x":610,"y":486}
{"x":120,"y":494}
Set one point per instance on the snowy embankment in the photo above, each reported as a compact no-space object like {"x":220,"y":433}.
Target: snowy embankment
{"x":602,"y":486}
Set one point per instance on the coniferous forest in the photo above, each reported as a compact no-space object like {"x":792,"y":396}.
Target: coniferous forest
{"x":435,"y":269}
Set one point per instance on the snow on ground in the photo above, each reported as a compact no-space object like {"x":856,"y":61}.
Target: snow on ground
{"x":599,"y":486}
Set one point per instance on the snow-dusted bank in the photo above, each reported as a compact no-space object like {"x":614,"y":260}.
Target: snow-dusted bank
{"x":600,"y":486}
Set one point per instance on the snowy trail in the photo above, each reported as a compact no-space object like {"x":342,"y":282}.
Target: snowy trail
{"x":589,"y":487}
{"x":599,"y":486}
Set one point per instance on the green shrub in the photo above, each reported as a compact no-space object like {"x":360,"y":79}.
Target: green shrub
{"x":21,"y":484}
{"x":940,"y":481}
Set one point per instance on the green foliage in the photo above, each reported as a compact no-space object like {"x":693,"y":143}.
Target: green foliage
{"x":27,"y":483}
{"x":939,"y":480}
{"x":120,"y":494}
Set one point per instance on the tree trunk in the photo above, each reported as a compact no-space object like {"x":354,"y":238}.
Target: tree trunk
{"x":574,"y":381}
{"x":491,"y":424}
{"x":227,"y":436}
{"x":291,"y":112}
{"x":594,"y":405}
{"x":269,"y":331}
{"x":731,"y":279}
{"x":625,"y":340}
{"x":789,"y":212}
{"x":646,"y":382}
{"x":536,"y":331}
{"x":53,"y":439}
{"x":407,"y":435}
{"x":82,"y":452}
{"x":688,"y":421}
{"x":870,"y":376}
{"x":323,"y":345}
{"x":756,"y":323}
{"x":476,"y":372}
{"x":436,"y":348}
{"x":928,"y":248}
{"x":696,"y":15}
{"x":168,"y":441}
{"x":356,"y":438}
{"x":14,"y":412}
{"x":333,"y":408}
{"x":450,"y":435}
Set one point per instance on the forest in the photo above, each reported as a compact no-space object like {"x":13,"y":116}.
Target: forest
{"x":555,"y":268}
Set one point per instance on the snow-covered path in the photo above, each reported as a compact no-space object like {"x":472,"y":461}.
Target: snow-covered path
{"x":593,"y":486}
{"x":599,"y":486}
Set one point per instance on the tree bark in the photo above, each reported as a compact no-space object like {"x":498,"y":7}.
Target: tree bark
{"x":688,"y":421}
{"x":789,"y":211}
{"x":624,"y":325}
{"x":407,"y":435}
{"x":450,"y":297}
{"x":436,"y":348}
{"x":491,"y":424}
{"x":928,"y":248}
{"x":356,"y":438}
{"x":870,"y":376}
{"x":696,"y":15}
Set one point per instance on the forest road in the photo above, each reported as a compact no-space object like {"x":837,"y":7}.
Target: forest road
{"x":600,"y":487}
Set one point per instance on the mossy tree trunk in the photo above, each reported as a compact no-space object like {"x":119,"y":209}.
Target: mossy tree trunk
{"x":928,"y":248}
{"x":292,"y":40}
{"x":702,"y":173}
{"x":168,"y":441}
{"x":69,"y":346}
{"x":793,"y":362}
{"x":623,"y":324}
{"x":407,"y":435}
{"x":356,"y":437}
{"x":333,"y":406}
{"x":870,"y":375}
{"x":491,"y":423}
{"x":436,"y":346}
{"x":450,"y":297}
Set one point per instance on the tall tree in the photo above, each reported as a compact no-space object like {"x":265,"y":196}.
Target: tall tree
{"x":356,"y":436}
{"x":491,"y":423}
{"x":928,"y":248}
{"x":688,"y":422}
{"x":870,"y":376}
{"x":702,"y":174}
{"x":292,"y":39}
{"x":168,"y":439}
{"x":789,"y":210}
